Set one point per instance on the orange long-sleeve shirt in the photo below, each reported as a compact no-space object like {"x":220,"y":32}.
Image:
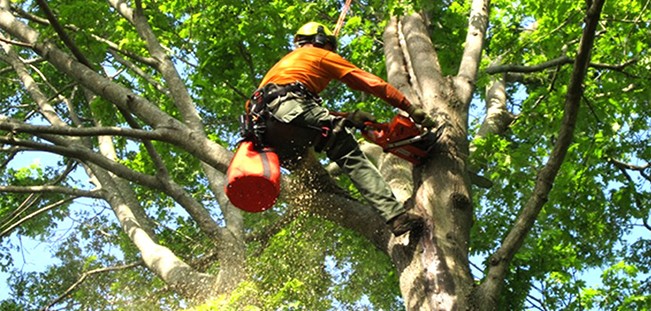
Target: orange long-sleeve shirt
{"x":316,"y":67}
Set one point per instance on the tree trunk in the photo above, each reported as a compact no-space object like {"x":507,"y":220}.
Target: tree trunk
{"x":433,"y":264}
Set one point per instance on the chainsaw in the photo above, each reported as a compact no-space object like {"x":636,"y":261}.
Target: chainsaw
{"x":402,"y":137}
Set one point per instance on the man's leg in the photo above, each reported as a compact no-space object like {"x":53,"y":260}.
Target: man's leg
{"x":365,"y":176}
{"x":346,"y":153}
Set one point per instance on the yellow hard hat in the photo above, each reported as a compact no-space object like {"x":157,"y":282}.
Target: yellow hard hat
{"x":315,"y":33}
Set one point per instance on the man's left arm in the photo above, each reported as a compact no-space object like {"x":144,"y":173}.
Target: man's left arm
{"x":367,"y":82}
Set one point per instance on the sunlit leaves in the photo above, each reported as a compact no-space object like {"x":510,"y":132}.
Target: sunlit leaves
{"x":17,"y":207}
{"x":593,"y":204}
{"x":312,"y":264}
{"x":620,"y":290}
{"x":222,"y":49}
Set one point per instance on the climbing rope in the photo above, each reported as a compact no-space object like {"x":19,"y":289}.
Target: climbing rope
{"x":342,"y":16}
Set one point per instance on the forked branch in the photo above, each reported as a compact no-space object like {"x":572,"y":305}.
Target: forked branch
{"x":500,"y":261}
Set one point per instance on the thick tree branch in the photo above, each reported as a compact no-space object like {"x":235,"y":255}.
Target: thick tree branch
{"x":160,"y":259}
{"x":398,"y":63}
{"x":497,"y":120}
{"x":559,"y":61}
{"x":617,"y":67}
{"x":14,"y":42}
{"x":498,"y":117}
{"x":500,"y":261}
{"x":31,"y":17}
{"x":15,"y":126}
{"x":97,"y":194}
{"x":477,"y":25}
{"x":424,"y":62}
{"x":188,"y":139}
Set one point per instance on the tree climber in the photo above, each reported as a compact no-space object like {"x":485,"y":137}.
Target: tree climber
{"x":288,"y":94}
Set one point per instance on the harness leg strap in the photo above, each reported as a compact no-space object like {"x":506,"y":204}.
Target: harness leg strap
{"x":329,"y":135}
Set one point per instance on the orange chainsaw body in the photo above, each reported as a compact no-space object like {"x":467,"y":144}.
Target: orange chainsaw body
{"x":401,"y":137}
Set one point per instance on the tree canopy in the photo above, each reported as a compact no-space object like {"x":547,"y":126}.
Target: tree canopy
{"x":118,"y":120}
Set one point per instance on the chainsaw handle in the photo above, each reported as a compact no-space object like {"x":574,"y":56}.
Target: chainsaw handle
{"x":385,"y":125}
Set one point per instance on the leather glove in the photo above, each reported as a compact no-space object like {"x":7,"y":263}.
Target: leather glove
{"x":359,"y":117}
{"x":421,"y":117}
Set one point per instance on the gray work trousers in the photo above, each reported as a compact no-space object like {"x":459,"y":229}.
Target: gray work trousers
{"x":306,"y":117}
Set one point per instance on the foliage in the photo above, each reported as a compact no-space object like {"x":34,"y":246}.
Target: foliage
{"x":312,"y":264}
{"x":595,"y":221}
{"x":593,"y":203}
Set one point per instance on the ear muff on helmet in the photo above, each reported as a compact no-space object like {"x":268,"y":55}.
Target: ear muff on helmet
{"x":320,"y":39}
{"x":315,"y":33}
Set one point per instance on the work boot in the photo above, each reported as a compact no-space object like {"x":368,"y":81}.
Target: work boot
{"x":404,"y":223}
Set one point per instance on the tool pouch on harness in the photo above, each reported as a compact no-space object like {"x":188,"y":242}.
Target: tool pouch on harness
{"x":253,"y":122}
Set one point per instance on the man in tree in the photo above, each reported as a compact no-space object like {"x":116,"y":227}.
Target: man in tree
{"x":290,"y":93}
